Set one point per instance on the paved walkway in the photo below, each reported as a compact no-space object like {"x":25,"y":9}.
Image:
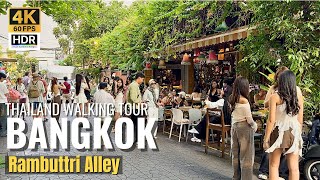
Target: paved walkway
{"x":174,"y":160}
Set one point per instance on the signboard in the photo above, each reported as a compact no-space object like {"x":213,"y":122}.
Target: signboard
{"x":24,"y":29}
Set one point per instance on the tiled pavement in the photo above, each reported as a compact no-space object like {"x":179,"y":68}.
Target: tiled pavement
{"x":174,"y":160}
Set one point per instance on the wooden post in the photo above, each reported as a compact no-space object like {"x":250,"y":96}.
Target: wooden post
{"x":148,"y":73}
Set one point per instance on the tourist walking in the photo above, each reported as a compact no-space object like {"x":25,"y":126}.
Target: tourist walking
{"x":26,"y":79}
{"x":80,"y":97}
{"x":22,"y":90}
{"x":242,"y":131}
{"x":284,"y":126}
{"x":35,"y":93}
{"x":150,"y":98}
{"x":134,"y":98}
{"x":119,"y":96}
{"x":66,"y":93}
{"x":4,"y":93}
{"x":45,"y":85}
{"x":103,"y":97}
{"x":55,"y":89}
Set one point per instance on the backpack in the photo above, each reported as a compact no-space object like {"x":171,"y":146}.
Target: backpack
{"x":33,"y":90}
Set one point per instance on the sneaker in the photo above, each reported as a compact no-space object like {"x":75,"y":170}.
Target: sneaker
{"x":198,"y":140}
{"x":263,"y":176}
{"x":280,"y":178}
{"x":193,"y":131}
{"x":194,"y":139}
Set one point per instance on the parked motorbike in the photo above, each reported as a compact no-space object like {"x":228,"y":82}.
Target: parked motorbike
{"x":310,"y":162}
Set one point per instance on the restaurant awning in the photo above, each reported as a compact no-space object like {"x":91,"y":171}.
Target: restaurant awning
{"x":8,"y":60}
{"x":226,"y":36}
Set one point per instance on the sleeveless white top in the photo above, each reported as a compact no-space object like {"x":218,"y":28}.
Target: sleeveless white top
{"x":284,"y":122}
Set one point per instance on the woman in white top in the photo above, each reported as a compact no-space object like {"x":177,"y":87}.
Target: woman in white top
{"x":284,"y":127}
{"x":119,"y":96}
{"x":196,"y":94}
{"x":80,"y":97}
{"x":242,"y":131}
{"x":55,"y":89}
{"x":150,"y":98}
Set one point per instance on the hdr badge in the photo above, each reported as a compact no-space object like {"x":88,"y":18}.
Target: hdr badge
{"x":24,"y":29}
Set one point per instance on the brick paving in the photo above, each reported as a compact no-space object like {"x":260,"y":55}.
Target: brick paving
{"x":173,"y":160}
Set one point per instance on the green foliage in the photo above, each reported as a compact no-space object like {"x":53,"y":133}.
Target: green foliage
{"x":288,"y":31}
{"x":23,"y":64}
{"x":2,"y":162}
{"x":80,"y":21}
{"x":4,"y":5}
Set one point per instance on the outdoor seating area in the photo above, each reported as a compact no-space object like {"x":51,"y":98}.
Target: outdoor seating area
{"x":177,"y":122}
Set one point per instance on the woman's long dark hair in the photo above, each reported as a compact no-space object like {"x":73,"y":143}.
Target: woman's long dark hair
{"x":106,"y":80}
{"x":121,"y":88}
{"x":240,"y":88}
{"x":53,"y":83}
{"x":87,"y":80}
{"x":211,"y":89}
{"x":287,"y":90}
{"x":78,"y":83}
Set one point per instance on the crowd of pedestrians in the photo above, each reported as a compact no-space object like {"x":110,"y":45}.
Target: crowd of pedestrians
{"x":283,"y":128}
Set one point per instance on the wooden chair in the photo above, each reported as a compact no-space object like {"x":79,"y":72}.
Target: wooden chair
{"x":167,"y":117}
{"x":196,"y":103}
{"x":223,"y":128}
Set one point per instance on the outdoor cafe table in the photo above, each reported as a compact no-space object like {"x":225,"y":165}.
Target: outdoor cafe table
{"x":186,"y":109}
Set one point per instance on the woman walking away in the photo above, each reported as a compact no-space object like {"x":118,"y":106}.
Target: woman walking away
{"x":80,"y":97}
{"x":283,"y":132}
{"x":55,"y":89}
{"x":242,"y":131}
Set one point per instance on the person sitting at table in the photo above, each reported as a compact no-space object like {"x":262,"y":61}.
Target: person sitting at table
{"x":181,"y":99}
{"x":196,"y":96}
{"x":227,"y":88}
{"x":167,"y":99}
{"x":200,"y":129}
{"x":214,"y":94}
{"x":175,"y":96}
{"x":260,"y":96}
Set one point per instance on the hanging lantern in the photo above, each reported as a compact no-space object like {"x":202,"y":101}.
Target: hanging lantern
{"x":154,"y":65}
{"x":162,"y":64}
{"x":196,"y":52}
{"x":202,"y":58}
{"x":186,"y":60}
{"x":148,"y":65}
{"x":213,"y":59}
{"x":196,"y":60}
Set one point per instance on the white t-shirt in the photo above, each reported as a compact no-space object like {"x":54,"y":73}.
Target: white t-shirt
{"x":3,"y":91}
